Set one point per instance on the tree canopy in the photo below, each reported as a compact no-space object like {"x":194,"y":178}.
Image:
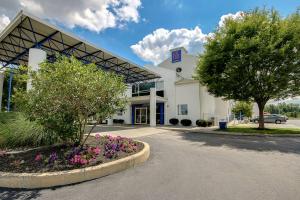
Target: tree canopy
{"x":244,"y":108}
{"x":253,"y":58}
{"x":289,"y":109}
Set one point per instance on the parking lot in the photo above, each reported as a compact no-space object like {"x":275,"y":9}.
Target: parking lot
{"x":294,"y":122}
{"x":194,"y":166}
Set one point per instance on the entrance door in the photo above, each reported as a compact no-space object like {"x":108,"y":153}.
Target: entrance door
{"x":141,"y":115}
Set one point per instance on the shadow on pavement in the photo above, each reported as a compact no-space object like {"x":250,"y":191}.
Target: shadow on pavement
{"x":256,"y":143}
{"x":105,"y":128}
{"x":9,"y":194}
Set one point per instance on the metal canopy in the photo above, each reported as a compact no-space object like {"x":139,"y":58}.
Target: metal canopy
{"x":27,"y":31}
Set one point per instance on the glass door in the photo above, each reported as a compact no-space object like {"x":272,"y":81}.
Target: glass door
{"x":141,"y":115}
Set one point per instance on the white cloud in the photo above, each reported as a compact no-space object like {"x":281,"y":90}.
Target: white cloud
{"x":237,"y":15}
{"x":4,"y":21}
{"x":155,"y":46}
{"x":95,"y":15}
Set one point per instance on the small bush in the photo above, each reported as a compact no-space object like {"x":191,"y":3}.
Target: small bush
{"x":204,"y":123}
{"x":201,"y":123}
{"x":118,"y":121}
{"x":174,"y":121}
{"x":209,"y":123}
{"x":17,"y":131}
{"x":186,"y":122}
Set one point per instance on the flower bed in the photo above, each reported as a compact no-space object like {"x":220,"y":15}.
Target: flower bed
{"x":66,"y":157}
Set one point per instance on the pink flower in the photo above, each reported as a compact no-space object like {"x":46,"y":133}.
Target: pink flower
{"x":79,"y":160}
{"x":97,"y":150}
{"x":83,"y":161}
{"x":97,"y":136}
{"x":38,"y":157}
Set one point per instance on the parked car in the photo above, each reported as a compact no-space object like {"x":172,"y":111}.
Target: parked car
{"x":271,"y":118}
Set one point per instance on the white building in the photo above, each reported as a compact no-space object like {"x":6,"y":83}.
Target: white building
{"x":155,"y":93}
{"x":175,"y":95}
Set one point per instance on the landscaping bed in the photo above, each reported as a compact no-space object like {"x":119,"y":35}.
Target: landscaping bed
{"x":97,"y":150}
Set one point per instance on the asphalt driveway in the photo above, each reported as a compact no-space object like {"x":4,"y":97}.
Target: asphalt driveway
{"x":295,"y":122}
{"x":194,"y":166}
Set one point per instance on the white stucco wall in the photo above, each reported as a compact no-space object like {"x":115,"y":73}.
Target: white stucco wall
{"x":222,"y":109}
{"x":188,"y":94}
{"x":188,"y":64}
{"x":36,"y":56}
{"x":180,"y":88}
{"x":207,"y":104}
{"x":169,"y":78}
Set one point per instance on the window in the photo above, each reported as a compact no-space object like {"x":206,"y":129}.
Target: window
{"x":145,"y":87}
{"x":182,"y":109}
{"x":159,"y":85}
{"x":176,"y":56}
{"x":142,"y":89}
{"x":135,"y":88}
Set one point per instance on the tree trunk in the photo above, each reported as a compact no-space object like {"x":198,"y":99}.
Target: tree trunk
{"x":261,"y":121}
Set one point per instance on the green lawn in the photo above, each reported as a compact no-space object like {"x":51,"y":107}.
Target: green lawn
{"x":280,"y":131}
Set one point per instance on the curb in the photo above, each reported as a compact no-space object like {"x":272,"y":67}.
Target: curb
{"x":215,"y":132}
{"x":51,"y":179}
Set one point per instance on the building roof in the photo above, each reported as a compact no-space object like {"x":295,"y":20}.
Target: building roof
{"x":27,"y":31}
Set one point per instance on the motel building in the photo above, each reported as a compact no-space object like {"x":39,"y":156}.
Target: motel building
{"x":176,"y":94}
{"x":155,"y":93}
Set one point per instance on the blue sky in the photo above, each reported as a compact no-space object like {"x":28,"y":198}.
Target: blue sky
{"x":118,"y":30}
{"x":176,"y":14}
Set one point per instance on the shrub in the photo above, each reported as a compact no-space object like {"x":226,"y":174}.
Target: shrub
{"x":201,"y":123}
{"x":118,"y":121}
{"x":17,"y":131}
{"x":174,"y":121}
{"x":186,"y":122}
{"x":66,"y":93}
{"x":209,"y":123}
{"x":204,"y":123}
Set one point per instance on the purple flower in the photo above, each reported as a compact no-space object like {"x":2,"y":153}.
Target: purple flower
{"x":53,"y":157}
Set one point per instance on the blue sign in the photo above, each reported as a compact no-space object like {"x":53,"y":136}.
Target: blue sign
{"x":176,"y":56}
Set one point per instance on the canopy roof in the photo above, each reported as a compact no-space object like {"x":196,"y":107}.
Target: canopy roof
{"x":27,"y":31}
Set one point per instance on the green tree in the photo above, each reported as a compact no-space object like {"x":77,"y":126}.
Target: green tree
{"x":290,"y":109}
{"x":253,"y":58}
{"x":243,"y":107}
{"x":67,"y":92}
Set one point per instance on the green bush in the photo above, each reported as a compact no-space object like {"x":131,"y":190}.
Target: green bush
{"x":204,"y":123}
{"x":16,"y":131}
{"x":66,"y":93}
{"x":201,"y":123}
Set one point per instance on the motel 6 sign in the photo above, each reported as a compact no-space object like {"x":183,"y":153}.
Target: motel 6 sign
{"x":176,"y":56}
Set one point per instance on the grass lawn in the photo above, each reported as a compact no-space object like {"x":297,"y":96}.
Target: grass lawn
{"x":279,"y":131}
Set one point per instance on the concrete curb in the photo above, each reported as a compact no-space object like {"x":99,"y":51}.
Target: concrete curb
{"x":215,"y":132}
{"x":51,"y":179}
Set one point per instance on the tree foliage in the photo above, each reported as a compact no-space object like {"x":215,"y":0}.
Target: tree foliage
{"x":67,"y":92}
{"x":244,"y":108}
{"x":253,"y":58}
{"x":289,"y":109}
